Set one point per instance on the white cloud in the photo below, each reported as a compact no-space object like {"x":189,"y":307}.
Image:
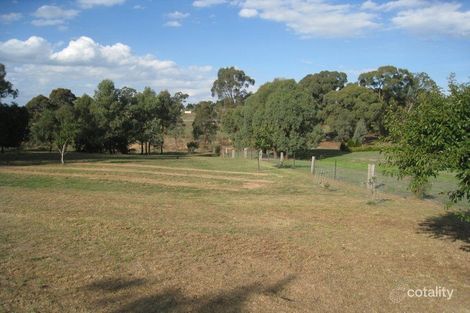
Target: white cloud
{"x":312,"y":18}
{"x":138,"y":7}
{"x":177,"y":15}
{"x":51,"y":15}
{"x":207,"y":3}
{"x":393,"y":5}
{"x":435,"y":19}
{"x":35,"y":68}
{"x":175,"y":19}
{"x":10,"y":17}
{"x":33,"y":50}
{"x":54,"y":12}
{"x":93,"y":3}
{"x":248,"y":13}
{"x":173,"y":24}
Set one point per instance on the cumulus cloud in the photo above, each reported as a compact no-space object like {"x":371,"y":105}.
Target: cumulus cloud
{"x":329,"y":18}
{"x":51,"y":15}
{"x":438,"y":18}
{"x":175,"y":19}
{"x":35,"y":67}
{"x":393,"y":5}
{"x":312,"y":18}
{"x":10,"y":17}
{"x":93,"y":3}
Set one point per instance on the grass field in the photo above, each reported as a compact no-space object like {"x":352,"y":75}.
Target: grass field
{"x":206,"y":234}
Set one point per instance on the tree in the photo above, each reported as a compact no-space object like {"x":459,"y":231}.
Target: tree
{"x":434,"y":136}
{"x":392,"y":84}
{"x":13,"y":119}
{"x":177,"y":130}
{"x":319,"y":84}
{"x":231,"y":85}
{"x":113,"y":117}
{"x":57,"y":128}
{"x":360,"y":132}
{"x":65,"y":130}
{"x":279,"y":116}
{"x":6,"y":88}
{"x":42,"y":129}
{"x":36,"y":106}
{"x":60,"y":97}
{"x":205,"y":122}
{"x":344,"y":108}
{"x":89,"y":135}
{"x":13,"y":125}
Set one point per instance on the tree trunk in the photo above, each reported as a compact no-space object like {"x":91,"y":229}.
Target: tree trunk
{"x":161,"y":148}
{"x":62,"y":152}
{"x":2,"y":150}
{"x":141,"y":147}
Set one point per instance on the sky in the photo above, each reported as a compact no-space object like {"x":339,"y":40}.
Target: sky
{"x":179,"y":45}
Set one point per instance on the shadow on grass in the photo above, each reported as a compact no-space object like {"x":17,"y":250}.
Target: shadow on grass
{"x":319,"y":154}
{"x":115,"y":284}
{"x":173,"y":300}
{"x":448,"y":226}
{"x":39,"y":157}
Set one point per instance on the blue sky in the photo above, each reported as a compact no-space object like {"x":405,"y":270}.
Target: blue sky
{"x":179,"y":45}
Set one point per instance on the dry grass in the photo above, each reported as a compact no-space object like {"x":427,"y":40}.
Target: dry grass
{"x":164,"y":237}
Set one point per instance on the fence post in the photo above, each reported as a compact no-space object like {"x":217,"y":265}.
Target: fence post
{"x":312,"y":166}
{"x":370,"y":176}
{"x":233,"y":153}
{"x":260,"y":156}
{"x":281,"y":160}
{"x":334,"y":173}
{"x":245,"y":153}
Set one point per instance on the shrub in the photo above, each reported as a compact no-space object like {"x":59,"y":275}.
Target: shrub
{"x":192,"y":146}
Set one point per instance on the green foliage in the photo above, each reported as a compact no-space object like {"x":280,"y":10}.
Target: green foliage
{"x":360,"y":132}
{"x":205,"y":122}
{"x":192,"y":146}
{"x":319,"y":84}
{"x":89,"y":136}
{"x":60,"y":97}
{"x":278,"y":116}
{"x":433,"y":137}
{"x":231,"y":85}
{"x":13,"y":125}
{"x":391,"y":83}
{"x":36,"y":106}
{"x":6,"y":88}
{"x":343,"y":109}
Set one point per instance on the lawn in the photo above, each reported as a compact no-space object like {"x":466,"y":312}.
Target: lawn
{"x":207,"y":234}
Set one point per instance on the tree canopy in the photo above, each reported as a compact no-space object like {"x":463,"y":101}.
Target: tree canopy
{"x":231,"y":85}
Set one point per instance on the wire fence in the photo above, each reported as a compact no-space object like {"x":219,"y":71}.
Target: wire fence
{"x":326,"y":169}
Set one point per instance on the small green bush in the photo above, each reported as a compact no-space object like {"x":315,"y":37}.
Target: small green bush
{"x":192,"y":146}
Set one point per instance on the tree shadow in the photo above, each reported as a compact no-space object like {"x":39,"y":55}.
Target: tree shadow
{"x":172,"y":300}
{"x":447,"y":226}
{"x":114,"y":284}
{"x":24,"y":158}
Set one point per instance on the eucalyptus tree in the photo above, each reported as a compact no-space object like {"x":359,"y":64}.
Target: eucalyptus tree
{"x":319,"y":84}
{"x":344,"y":108}
{"x":13,"y":119}
{"x":231,"y":86}
{"x":205,"y":122}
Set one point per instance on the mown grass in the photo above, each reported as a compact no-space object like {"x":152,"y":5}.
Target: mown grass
{"x":101,"y":243}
